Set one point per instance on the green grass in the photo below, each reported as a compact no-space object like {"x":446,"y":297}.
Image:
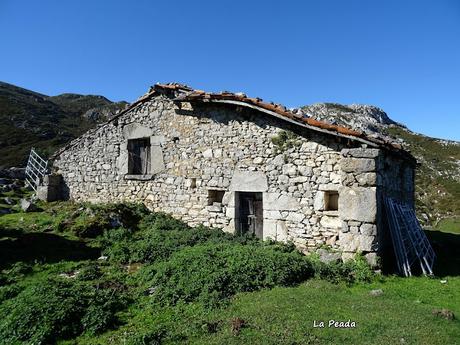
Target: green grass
{"x":437,"y":193}
{"x":451,"y":225}
{"x":153,"y":251}
{"x":286,"y":316}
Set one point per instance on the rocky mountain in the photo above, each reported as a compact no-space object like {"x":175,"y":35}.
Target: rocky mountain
{"x":367,"y":118}
{"x":438,"y":172}
{"x":30,"y":119}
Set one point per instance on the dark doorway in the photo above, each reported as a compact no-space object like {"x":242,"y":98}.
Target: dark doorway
{"x":249,"y":213}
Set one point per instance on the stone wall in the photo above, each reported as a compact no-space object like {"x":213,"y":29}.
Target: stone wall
{"x":220,"y":147}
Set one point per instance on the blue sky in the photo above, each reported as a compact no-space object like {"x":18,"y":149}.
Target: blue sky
{"x":403,"y":56}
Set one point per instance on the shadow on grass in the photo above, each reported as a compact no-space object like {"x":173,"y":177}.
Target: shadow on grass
{"x":43,"y":247}
{"x":447,"y":249}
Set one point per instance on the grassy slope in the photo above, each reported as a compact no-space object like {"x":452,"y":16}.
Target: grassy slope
{"x":29,"y":119}
{"x":437,"y":192}
{"x":277,"y":316}
{"x":403,"y":314}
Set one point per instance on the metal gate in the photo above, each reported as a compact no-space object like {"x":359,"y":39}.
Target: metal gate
{"x":36,"y":168}
{"x":409,"y":241}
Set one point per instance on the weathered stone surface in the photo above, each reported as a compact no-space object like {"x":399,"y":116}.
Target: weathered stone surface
{"x":328,"y":257}
{"x":372,"y":259}
{"x":268,"y":214}
{"x":279,"y":202}
{"x":289,"y":169}
{"x":350,"y":242}
{"x":331,"y":222}
{"x":249,"y":181}
{"x":229,"y":199}
{"x":28,"y":205}
{"x":295,"y":217}
{"x":357,"y":165}
{"x":135,"y":130}
{"x":368,"y":229}
{"x":269,"y":231}
{"x":367,"y":179}
{"x":275,"y":230}
{"x":207,"y":153}
{"x":329,"y":187}
{"x":360,"y":153}
{"x":156,"y":159}
{"x":318,"y":204}
{"x":305,"y":170}
{"x":358,"y":203}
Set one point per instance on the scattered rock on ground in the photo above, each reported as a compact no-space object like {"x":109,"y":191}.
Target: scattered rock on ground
{"x":237,"y":325}
{"x":69,"y":275}
{"x":9,"y":201}
{"x":13,"y":173}
{"x":28,"y":206}
{"x":376,"y":292}
{"x":150,"y":291}
{"x":327,"y":256}
{"x":444,"y":313}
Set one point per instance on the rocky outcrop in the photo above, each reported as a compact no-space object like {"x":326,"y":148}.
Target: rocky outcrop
{"x":367,"y":118}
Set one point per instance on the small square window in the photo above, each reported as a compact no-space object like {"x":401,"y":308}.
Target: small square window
{"x":215,"y":195}
{"x":331,"y":201}
{"x":139,"y":156}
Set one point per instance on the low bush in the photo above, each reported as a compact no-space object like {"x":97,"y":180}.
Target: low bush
{"x":357,"y":270}
{"x":161,"y":236}
{"x":58,"y":309}
{"x":91,"y":221}
{"x":213,"y":272}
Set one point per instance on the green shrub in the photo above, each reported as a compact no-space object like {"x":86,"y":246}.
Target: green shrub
{"x":285,"y":140}
{"x":211,"y":273}
{"x":89,"y":272}
{"x":351,"y":271}
{"x":164,"y":236}
{"x":160,"y":221}
{"x":58,"y":309}
{"x":9,"y":291}
{"x":94,"y":219}
{"x":101,"y":309}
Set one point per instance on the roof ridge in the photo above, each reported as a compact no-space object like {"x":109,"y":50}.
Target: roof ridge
{"x":185,"y":93}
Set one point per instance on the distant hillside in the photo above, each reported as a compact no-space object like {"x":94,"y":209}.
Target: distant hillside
{"x":30,"y":119}
{"x":438,"y":175}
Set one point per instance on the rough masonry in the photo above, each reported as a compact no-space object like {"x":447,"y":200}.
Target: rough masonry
{"x":227,"y":161}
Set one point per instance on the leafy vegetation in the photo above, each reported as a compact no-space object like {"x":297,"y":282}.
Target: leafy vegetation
{"x":160,"y":281}
{"x":285,"y":140}
{"x":214,"y":272}
{"x":437,"y":178}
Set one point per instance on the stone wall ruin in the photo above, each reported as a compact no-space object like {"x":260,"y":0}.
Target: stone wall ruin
{"x":200,"y":151}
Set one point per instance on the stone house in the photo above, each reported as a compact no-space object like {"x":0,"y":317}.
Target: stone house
{"x":237,"y":163}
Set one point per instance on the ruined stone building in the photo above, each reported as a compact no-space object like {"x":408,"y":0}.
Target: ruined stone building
{"x":237,"y":163}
